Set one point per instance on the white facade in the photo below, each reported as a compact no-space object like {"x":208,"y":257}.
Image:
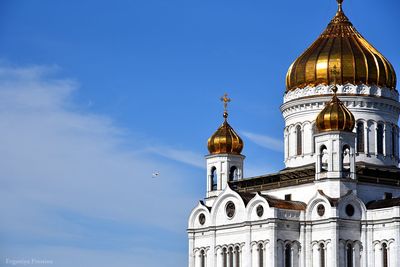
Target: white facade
{"x":337,"y":202}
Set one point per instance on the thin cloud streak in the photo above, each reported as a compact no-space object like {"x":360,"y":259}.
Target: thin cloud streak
{"x":184,"y":156}
{"x":264,"y":141}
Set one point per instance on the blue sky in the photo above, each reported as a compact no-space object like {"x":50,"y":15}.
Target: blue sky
{"x":97,"y":95}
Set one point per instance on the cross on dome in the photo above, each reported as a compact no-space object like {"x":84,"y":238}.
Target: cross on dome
{"x":226,"y":100}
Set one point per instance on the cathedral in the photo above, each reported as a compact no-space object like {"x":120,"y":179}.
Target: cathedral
{"x":337,"y":201}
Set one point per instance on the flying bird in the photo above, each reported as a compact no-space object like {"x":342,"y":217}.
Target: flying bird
{"x":155,"y":174}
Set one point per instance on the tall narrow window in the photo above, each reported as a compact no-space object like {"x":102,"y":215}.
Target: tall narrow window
{"x":288,"y":256}
{"x":237,"y":256}
{"x":394,"y":143}
{"x":202,"y":258}
{"x":214,"y":178}
{"x":299,"y":139}
{"x":324,"y":158}
{"x":233,"y":174}
{"x":379,"y":133}
{"x":230,"y":257}
{"x":224,"y":257}
{"x":346,"y":158}
{"x":261,"y":255}
{"x":360,"y":137}
{"x":349,"y":255}
{"x":321,"y":255}
{"x":384,"y":255}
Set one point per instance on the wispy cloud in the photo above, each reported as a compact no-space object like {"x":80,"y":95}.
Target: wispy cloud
{"x":67,"y":178}
{"x":184,"y":156}
{"x":265,"y":141}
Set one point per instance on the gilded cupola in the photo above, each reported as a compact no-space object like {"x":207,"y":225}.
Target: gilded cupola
{"x":335,"y":116}
{"x":225,"y":140}
{"x":343,"y":46}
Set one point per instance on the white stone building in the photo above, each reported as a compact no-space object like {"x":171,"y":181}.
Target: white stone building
{"x":337,"y":202}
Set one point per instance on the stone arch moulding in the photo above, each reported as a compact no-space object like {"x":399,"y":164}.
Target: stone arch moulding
{"x":200,"y":208}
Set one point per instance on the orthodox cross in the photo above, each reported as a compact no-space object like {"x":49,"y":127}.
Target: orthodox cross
{"x":334,"y":73}
{"x":226,"y":100}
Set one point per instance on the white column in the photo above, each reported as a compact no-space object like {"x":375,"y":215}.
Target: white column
{"x":220,"y":258}
{"x":308,"y":247}
{"x":191,"y":256}
{"x":255,"y":256}
{"x":314,"y":260}
{"x":198,"y":259}
{"x":335,"y":245}
{"x":235,"y":256}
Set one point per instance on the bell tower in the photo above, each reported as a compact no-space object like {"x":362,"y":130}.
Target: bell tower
{"x":225,"y":161}
{"x":335,"y":145}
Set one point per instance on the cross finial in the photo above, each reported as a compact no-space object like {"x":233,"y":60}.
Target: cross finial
{"x":226,"y":100}
{"x":334,"y":73}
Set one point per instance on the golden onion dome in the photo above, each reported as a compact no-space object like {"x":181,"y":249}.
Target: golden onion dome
{"x":335,"y":116}
{"x":341,"y":45}
{"x":225,"y":140}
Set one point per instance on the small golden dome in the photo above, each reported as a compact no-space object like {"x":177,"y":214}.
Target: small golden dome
{"x":335,"y":116}
{"x":225,"y":140}
{"x":341,"y":45}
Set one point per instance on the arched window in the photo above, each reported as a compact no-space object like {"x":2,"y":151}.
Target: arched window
{"x":233,"y":174}
{"x":224,"y":257}
{"x":202,"y":258}
{"x":261,"y":255}
{"x":214,"y":178}
{"x":349,"y":255}
{"x":324,"y":158}
{"x":299,"y":139}
{"x":384,"y":255}
{"x":237,"y":256}
{"x":230,"y":257}
{"x":321,"y":255}
{"x":379,"y":133}
{"x":346,"y":158}
{"x":394,"y":141}
{"x":360,"y":137}
{"x":288,"y":255}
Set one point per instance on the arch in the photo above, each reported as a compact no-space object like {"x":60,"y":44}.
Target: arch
{"x":288,"y":255}
{"x":260,"y":249}
{"x":237,"y":256}
{"x":224,"y":257}
{"x":233,"y":173}
{"x":385,"y":260}
{"x":252,"y":206}
{"x":360,"y":137}
{"x":219,"y":206}
{"x":202,"y":258}
{"x":322,"y":254}
{"x":379,"y":138}
{"x":323,"y":158}
{"x":360,"y":209}
{"x":194,"y":216}
{"x":394,"y":140}
{"x":299,"y":141}
{"x":213,"y":178}
{"x":349,"y":255}
{"x":346,"y":158}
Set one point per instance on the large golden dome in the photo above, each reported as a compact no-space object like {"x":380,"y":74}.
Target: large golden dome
{"x":225,"y":140}
{"x":335,"y":116}
{"x":342,"y":46}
